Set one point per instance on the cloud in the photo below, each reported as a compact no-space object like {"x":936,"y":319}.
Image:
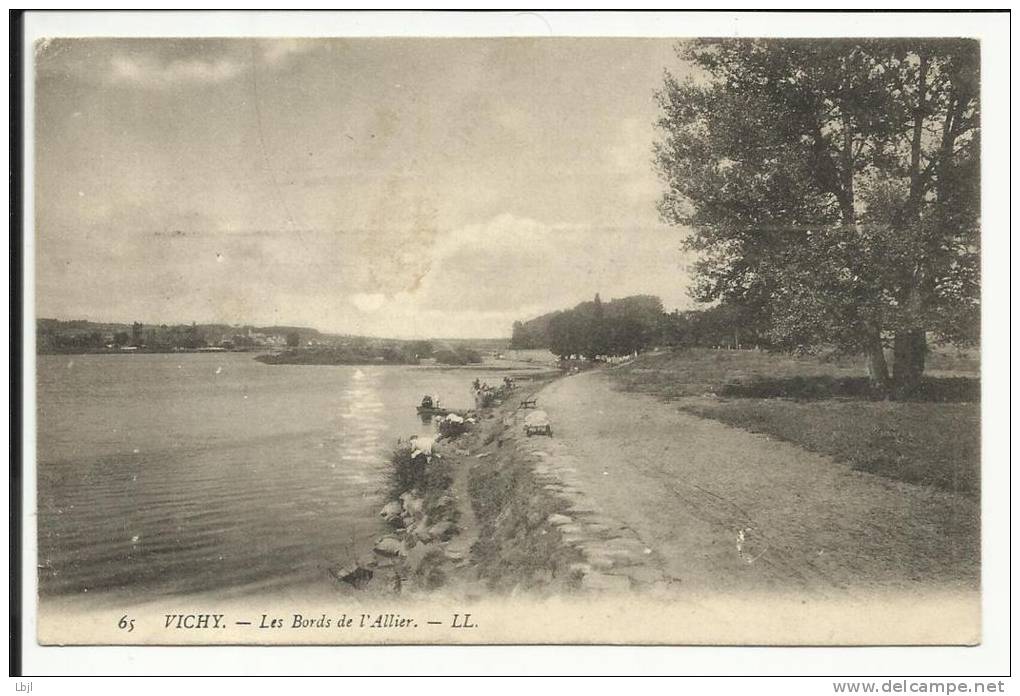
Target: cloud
{"x":372,"y":203}
{"x":630,"y":152}
{"x":470,"y":281}
{"x":278,"y":51}
{"x":479,"y":278}
{"x":149,"y":72}
{"x":368,"y":302}
{"x":157,"y":70}
{"x":508,"y":261}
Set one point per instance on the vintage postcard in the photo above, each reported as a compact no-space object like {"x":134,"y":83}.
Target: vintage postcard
{"x":671,"y":340}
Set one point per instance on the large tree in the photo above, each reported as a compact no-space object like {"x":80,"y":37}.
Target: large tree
{"x":832,"y":187}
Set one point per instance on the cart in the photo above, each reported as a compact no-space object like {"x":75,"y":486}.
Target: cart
{"x":537,"y":422}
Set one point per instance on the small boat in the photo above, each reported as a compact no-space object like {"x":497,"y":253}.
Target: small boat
{"x":433,"y":411}
{"x":430,"y":407}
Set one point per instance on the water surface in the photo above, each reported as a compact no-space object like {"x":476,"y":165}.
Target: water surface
{"x":214,"y":473}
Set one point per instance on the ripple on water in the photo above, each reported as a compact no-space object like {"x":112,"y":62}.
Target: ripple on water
{"x":225,"y":494}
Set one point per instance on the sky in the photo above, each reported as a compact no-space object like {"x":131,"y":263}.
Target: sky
{"x":388,"y":187}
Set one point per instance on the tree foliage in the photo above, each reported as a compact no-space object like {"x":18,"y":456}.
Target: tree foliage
{"x":832,"y":187}
{"x":593,"y":329}
{"x":723,"y":325}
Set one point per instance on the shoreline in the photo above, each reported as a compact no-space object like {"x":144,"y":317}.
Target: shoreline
{"x":553,"y":514}
{"x":483,"y":521}
{"x":517,"y":367}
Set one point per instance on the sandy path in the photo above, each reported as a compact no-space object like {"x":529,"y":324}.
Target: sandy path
{"x":727,"y":510}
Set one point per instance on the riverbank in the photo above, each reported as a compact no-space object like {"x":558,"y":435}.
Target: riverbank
{"x":141,"y":350}
{"x":636,"y":494}
{"x":474,"y":518}
{"x":520,"y":522}
{"x":334,"y":357}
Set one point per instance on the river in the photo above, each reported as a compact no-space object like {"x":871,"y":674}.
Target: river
{"x":181,"y":474}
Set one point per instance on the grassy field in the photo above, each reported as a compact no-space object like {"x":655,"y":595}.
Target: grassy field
{"x":825,"y":406}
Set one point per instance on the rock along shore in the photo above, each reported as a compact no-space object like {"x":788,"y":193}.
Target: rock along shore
{"x":493,"y":510}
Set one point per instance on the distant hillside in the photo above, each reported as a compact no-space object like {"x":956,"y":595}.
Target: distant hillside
{"x":82,"y":336}
{"x":83,"y":325}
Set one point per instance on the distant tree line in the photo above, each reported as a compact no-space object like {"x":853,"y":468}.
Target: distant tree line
{"x":81,"y":336}
{"x":632,"y":324}
{"x":459,"y":355}
{"x":54,"y":336}
{"x":361,"y":350}
{"x":349,"y":353}
{"x":593,"y":329}
{"x":446,"y":353}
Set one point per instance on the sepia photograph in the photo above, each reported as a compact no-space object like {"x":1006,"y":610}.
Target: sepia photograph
{"x":401,"y":340}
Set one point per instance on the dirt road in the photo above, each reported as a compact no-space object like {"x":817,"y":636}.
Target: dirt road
{"x":722,"y":509}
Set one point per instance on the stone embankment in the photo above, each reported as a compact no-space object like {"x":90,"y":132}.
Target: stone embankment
{"x":612,"y":557}
{"x":497,"y":510}
{"x":423,"y":516}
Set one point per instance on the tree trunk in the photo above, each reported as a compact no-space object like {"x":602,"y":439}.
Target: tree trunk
{"x":909,"y":349}
{"x":878,"y":370}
